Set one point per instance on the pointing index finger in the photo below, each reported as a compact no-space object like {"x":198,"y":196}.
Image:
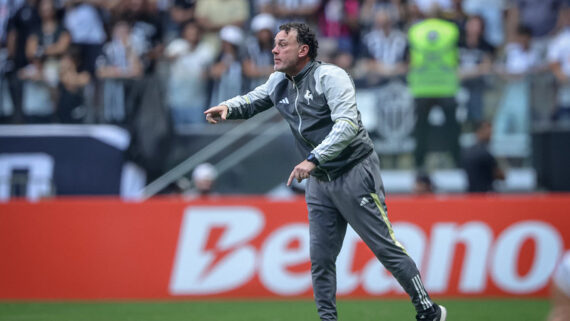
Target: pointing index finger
{"x":290,"y":180}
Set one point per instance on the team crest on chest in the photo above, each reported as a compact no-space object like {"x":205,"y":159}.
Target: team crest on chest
{"x":308,"y":96}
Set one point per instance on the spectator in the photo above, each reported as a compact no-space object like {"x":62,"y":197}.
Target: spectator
{"x":513,"y":116}
{"x":226,"y":73}
{"x":457,"y":15}
{"x":293,"y":10}
{"x":258,"y":62}
{"x":433,"y":83}
{"x":20,"y":26}
{"x":37,"y":102}
{"x":44,"y":47}
{"x":339,"y":24}
{"x":186,"y":92}
{"x":6,"y":105}
{"x":413,"y":15}
{"x":7,"y":10}
{"x":145,"y":32}
{"x":559,"y":62}
{"x":539,"y":16}
{"x":51,"y":40}
{"x":423,"y":184}
{"x":431,"y":7}
{"x":85,"y":24}
{"x":475,"y":62}
{"x":118,"y":63}
{"x":71,"y":106}
{"x":492,"y":11}
{"x":479,"y":164}
{"x":396,"y":9}
{"x":343,"y":59}
{"x":384,"y":49}
{"x":204,"y":176}
{"x":520,"y":57}
{"x":213,"y":15}
{"x":181,"y":12}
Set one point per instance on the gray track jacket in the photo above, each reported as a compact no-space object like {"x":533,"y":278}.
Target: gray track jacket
{"x":320,"y":106}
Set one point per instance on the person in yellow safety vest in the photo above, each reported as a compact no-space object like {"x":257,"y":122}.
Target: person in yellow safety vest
{"x":433,"y":81}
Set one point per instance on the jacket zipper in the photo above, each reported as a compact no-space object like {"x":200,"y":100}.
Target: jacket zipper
{"x":301,"y":122}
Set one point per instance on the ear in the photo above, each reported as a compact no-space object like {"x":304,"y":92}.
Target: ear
{"x":303,"y":51}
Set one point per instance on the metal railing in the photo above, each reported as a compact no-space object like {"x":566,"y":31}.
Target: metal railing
{"x":215,"y":147}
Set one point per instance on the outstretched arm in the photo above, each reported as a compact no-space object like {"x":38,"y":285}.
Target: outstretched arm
{"x":243,"y":107}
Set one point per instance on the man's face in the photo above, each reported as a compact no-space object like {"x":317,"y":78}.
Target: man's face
{"x":286,"y":52}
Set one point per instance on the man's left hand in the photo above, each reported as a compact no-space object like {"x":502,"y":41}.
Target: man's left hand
{"x":301,"y":171}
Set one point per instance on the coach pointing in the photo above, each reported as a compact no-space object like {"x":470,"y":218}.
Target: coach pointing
{"x":344,"y":186}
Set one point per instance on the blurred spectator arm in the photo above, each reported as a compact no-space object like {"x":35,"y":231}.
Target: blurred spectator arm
{"x":206,"y":10}
{"x":31,"y":72}
{"x":60,"y":46}
{"x":70,"y":78}
{"x":512,"y":20}
{"x":136,"y":67}
{"x":217,"y":70}
{"x":385,"y":70}
{"x":556,"y":69}
{"x":11,"y":42}
{"x":32,"y":45}
{"x":251,"y":70}
{"x":303,"y":10}
{"x":133,"y":70}
{"x":156,"y":52}
{"x":498,"y":173}
{"x":483,"y":69}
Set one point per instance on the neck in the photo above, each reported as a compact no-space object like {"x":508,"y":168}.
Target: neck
{"x":298,"y":68}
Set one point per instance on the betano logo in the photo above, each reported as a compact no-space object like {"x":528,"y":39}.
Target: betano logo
{"x":201,"y":267}
{"x":215,"y":255}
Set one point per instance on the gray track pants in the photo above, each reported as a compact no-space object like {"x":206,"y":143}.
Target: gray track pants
{"x":356,"y":198}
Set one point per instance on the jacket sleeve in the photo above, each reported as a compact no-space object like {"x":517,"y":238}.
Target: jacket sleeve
{"x":252,"y":103}
{"x":340,"y":93}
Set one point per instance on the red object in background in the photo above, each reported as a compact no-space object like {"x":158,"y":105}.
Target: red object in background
{"x":254,"y":247}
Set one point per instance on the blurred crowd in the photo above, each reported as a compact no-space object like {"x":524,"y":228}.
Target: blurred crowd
{"x":106,"y":61}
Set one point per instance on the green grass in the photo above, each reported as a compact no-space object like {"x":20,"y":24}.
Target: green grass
{"x":349,"y":310}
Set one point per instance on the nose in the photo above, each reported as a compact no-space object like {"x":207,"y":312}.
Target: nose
{"x":274,"y":50}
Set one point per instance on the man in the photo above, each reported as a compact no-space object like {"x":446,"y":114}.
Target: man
{"x":385,"y":47}
{"x":423,"y":184}
{"x":480,"y":165}
{"x":559,"y":62}
{"x":318,"y":101}
{"x":433,"y":81}
{"x":258,"y":61}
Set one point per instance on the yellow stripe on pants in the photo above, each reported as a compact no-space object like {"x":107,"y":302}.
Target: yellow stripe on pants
{"x":386,"y":220}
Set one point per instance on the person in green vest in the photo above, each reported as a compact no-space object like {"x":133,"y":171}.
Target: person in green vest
{"x":433,"y":81}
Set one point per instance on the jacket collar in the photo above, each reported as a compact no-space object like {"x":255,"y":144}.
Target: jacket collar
{"x":303,"y":72}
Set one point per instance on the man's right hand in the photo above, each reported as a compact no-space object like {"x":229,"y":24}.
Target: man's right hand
{"x":216,"y":114}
